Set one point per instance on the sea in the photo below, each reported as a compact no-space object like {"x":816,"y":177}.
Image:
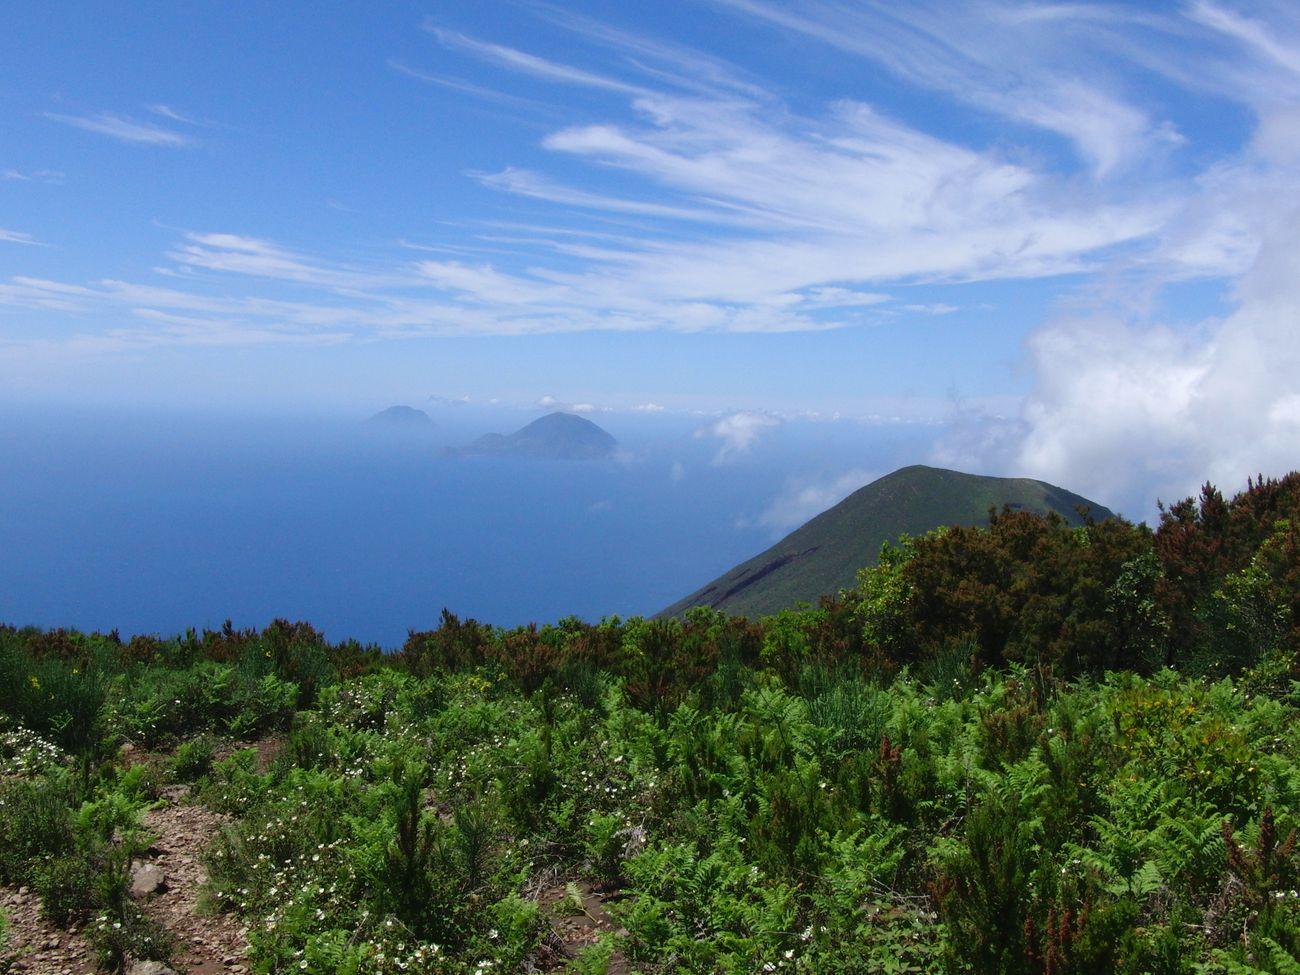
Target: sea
{"x":159,"y":521}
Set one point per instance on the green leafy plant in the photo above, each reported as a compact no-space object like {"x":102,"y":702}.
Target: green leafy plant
{"x":193,"y":759}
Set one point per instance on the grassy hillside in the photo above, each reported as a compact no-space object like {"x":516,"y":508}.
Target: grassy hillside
{"x":824,"y":555}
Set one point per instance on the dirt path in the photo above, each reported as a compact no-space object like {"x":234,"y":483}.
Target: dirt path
{"x":205,"y":943}
{"x":37,"y":945}
{"x":576,"y":930}
{"x":171,"y":876}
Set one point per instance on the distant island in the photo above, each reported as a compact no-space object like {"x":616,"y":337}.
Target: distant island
{"x":558,"y":436}
{"x":824,"y":555}
{"x":401,"y":418}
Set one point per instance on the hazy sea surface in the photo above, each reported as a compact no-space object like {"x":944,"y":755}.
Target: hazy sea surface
{"x":158,"y":522}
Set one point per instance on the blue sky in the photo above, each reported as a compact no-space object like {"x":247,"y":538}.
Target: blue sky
{"x":1065,"y":229}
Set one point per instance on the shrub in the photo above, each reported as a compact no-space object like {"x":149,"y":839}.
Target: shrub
{"x":24,"y":752}
{"x":59,"y":700}
{"x":410,"y":864}
{"x":67,"y":887}
{"x":35,"y":823}
{"x":193,"y":759}
{"x":604,"y":844}
{"x":984,"y":885}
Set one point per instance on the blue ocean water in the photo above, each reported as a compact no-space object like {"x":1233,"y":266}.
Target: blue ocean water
{"x":158,"y":522}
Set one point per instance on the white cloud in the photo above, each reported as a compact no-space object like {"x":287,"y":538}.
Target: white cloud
{"x":738,"y":432}
{"x":802,"y":500}
{"x":530,"y":64}
{"x":831,"y":297}
{"x":664,"y":62}
{"x":525,"y":183}
{"x":124,"y":129}
{"x":1130,"y":405}
{"x":1127,"y":410}
{"x":51,"y":176}
{"x":1043,"y":66}
{"x":166,"y":111}
{"x":456,"y":84}
{"x":1123,"y":408}
{"x":717,"y":208}
{"x":18,"y":237}
{"x":549,"y":402}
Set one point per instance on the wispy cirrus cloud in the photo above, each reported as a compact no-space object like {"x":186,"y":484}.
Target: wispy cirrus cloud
{"x":125,"y":129}
{"x":531,"y":64}
{"x":524,"y":183}
{"x":19,"y":237}
{"x":50,"y":176}
{"x":937,"y":308}
{"x":667,"y":63}
{"x":167,"y":112}
{"x":688,"y":197}
{"x":1027,"y":63}
{"x":466,"y":87}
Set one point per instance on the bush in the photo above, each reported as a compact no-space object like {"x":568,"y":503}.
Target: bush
{"x":984,"y":888}
{"x":193,"y":759}
{"x":59,"y":700}
{"x":67,"y":887}
{"x":604,"y":847}
{"x":35,"y":823}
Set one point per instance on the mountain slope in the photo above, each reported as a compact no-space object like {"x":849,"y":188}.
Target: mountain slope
{"x":825,"y":554}
{"x":561,"y":436}
{"x":401,"y":418}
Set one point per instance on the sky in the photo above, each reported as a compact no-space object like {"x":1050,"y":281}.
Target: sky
{"x":1064,"y":233}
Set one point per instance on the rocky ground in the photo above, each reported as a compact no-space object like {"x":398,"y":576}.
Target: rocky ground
{"x":167,"y":882}
{"x":205,"y":943}
{"x":38,"y":946}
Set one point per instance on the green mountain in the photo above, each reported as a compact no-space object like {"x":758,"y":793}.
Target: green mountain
{"x":824,"y":555}
{"x":560,"y":436}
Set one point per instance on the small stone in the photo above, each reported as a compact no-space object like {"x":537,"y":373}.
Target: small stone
{"x":146,"y":879}
{"x":150,"y":968}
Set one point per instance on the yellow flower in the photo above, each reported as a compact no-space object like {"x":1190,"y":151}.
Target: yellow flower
{"x":34,"y":682}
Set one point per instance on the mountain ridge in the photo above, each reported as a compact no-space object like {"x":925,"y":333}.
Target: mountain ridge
{"x":824,"y":554}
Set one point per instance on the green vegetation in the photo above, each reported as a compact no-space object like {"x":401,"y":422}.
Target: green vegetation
{"x":1032,"y":747}
{"x":824,"y":555}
